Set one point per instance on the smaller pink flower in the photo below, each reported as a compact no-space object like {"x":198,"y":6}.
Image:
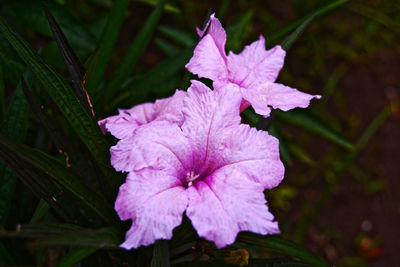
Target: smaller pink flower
{"x":212,"y":167}
{"x":254,"y":70}
{"x":123,"y":124}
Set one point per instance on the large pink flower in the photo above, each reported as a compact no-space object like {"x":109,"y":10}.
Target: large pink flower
{"x":212,"y":167}
{"x":123,"y":124}
{"x":254,"y":70}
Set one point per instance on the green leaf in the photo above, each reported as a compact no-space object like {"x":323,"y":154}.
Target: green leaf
{"x":288,"y":42}
{"x":51,"y":234}
{"x":5,"y":257}
{"x":160,"y":254}
{"x":163,"y":79}
{"x":10,"y":61}
{"x":168,"y":48}
{"x":40,"y":211}
{"x":308,"y":122}
{"x":238,"y":32}
{"x":75,"y":256}
{"x":59,"y":174}
{"x":74,"y":66}
{"x":283,"y":145}
{"x":178,"y":35}
{"x":63,"y":96}
{"x":297,"y":23}
{"x":167,"y":7}
{"x":278,"y":244}
{"x":106,"y":45}
{"x":136,"y":49}
{"x":276,"y":263}
{"x":31,"y":13}
{"x":14,"y":125}
{"x":3,"y":100}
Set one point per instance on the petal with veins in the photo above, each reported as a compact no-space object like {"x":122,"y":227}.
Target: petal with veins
{"x":145,"y":197}
{"x":159,"y":144}
{"x":253,"y":153}
{"x":123,"y":124}
{"x":206,"y":116}
{"x":225,"y":203}
{"x":208,"y":61}
{"x":255,"y":65}
{"x":277,"y":96}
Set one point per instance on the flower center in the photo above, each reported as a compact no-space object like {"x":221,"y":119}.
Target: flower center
{"x":190,"y":177}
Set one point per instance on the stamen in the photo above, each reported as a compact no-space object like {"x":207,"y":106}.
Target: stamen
{"x":190,"y":177}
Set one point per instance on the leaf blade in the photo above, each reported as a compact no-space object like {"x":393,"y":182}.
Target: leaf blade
{"x":62,"y":94}
{"x":160,"y":254}
{"x":306,"y":121}
{"x":281,"y":245}
{"x":134,"y":52}
{"x":107,"y":43}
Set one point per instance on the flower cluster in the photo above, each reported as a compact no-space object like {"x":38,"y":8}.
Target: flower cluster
{"x":191,"y":153}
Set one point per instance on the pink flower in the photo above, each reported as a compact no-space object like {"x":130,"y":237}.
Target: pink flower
{"x":123,"y":124}
{"x":254,"y":70}
{"x":212,"y":167}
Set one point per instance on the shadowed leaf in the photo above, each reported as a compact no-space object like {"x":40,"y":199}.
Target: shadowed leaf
{"x":134,"y":52}
{"x":288,"y":42}
{"x":278,"y":244}
{"x":308,"y":122}
{"x":62,"y":94}
{"x":13,"y":125}
{"x":178,"y":35}
{"x":75,"y":256}
{"x":296,"y":24}
{"x":74,"y":66}
{"x":59,"y":174}
{"x":30,"y":12}
{"x":106,"y":45}
{"x":47,"y":234}
{"x":160,"y":254}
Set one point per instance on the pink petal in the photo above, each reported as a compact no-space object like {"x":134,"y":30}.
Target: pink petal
{"x":255,"y":65}
{"x":159,"y":144}
{"x":155,"y":202}
{"x":170,"y":108}
{"x":277,"y":96}
{"x":207,"y":115}
{"x":224,"y":204}
{"x":209,"y":57}
{"x":253,"y":153}
{"x":123,"y":124}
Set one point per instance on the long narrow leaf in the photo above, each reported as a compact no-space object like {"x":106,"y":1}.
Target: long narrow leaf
{"x":134,"y":52}
{"x":107,"y":42}
{"x":3,"y":101}
{"x":296,"y":24}
{"x":306,"y":121}
{"x":62,"y":94}
{"x":42,"y":186}
{"x":5,"y":257}
{"x":73,"y":157}
{"x":61,"y":175}
{"x":74,"y":66}
{"x":160,"y":254}
{"x":40,"y":211}
{"x":30,"y":12}
{"x":288,"y":42}
{"x":177,"y":35}
{"x":66,"y":235}
{"x":281,"y":245}
{"x":13,"y":125}
{"x":76,"y":256}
